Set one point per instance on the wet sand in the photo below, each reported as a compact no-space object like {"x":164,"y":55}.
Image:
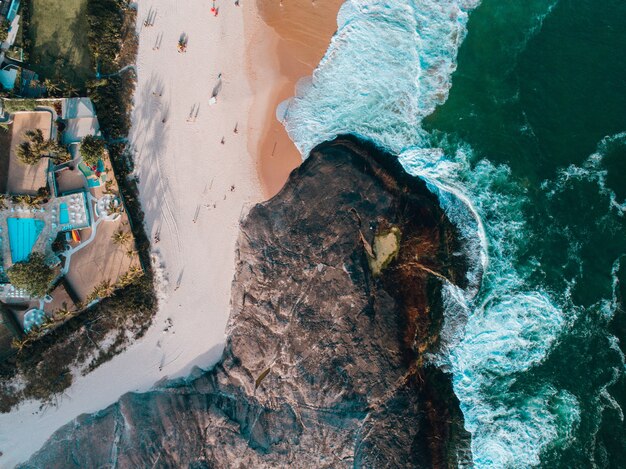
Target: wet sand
{"x":289,"y":38}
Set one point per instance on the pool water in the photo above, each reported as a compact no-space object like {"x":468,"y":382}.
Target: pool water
{"x":64,"y":214}
{"x":23,"y":234}
{"x":33,"y":318}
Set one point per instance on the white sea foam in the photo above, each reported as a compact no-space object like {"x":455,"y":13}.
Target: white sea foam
{"x":388,"y":66}
{"x":592,"y":170}
{"x":510,"y":329}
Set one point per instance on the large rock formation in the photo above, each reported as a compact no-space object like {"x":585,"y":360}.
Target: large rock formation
{"x":324,"y":364}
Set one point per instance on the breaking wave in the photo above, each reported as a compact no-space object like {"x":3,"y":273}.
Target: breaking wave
{"x":388,"y":66}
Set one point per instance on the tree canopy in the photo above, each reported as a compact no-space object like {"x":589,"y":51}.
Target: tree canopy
{"x":37,"y":147}
{"x":4,"y":29}
{"x":32,"y":275}
{"x":92,"y":149}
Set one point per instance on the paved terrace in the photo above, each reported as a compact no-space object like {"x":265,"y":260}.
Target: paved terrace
{"x":100,"y":260}
{"x":51,"y":214}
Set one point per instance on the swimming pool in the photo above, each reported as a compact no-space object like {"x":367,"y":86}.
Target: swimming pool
{"x":23,"y":234}
{"x":33,"y":318}
{"x":64,"y":214}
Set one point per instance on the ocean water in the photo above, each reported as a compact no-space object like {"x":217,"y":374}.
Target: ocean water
{"x":514,"y":112}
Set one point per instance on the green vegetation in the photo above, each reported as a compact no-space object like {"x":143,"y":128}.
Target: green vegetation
{"x":58,"y":33}
{"x":113,"y":45}
{"x":33,"y":275}
{"x":29,"y":201}
{"x":121,"y":237}
{"x":41,"y":369}
{"x":4,"y":29}
{"x":92,"y":149}
{"x":14,"y":105}
{"x":36,"y":147}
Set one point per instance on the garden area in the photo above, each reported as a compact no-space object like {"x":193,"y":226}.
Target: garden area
{"x":59,"y":51}
{"x":62,"y":49}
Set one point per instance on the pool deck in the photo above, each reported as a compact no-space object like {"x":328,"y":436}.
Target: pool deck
{"x":100,"y":260}
{"x":83,"y":265}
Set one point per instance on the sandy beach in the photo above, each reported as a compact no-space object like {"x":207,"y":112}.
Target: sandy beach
{"x":198,"y":168}
{"x":293,"y":37}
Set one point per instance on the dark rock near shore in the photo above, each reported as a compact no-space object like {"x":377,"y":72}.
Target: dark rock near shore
{"x":324,"y":364}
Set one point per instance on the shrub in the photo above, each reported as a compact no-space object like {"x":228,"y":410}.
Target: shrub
{"x":4,"y":29}
{"x":91,"y":149}
{"x":32,"y":275}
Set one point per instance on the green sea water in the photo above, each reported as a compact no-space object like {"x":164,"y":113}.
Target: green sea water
{"x":540,"y":88}
{"x":514,"y":114}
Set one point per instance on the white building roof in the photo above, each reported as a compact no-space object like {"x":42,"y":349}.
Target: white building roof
{"x":73,"y":108}
{"x":77,"y":129}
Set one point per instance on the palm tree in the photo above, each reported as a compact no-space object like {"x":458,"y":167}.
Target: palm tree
{"x":121,"y":237}
{"x":108,"y":186}
{"x":131,"y":253}
{"x":3,"y":202}
{"x":71,"y":90}
{"x":19,"y":344}
{"x":36,"y":140}
{"x":135,"y":272}
{"x":51,"y":87}
{"x":113,"y":208}
{"x":36,"y":147}
{"x":63,"y":313}
{"x":105,"y":289}
{"x":101,"y":290}
{"x":21,"y":199}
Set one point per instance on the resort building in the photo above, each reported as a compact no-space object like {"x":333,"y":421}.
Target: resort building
{"x":80,"y":119}
{"x":70,"y":213}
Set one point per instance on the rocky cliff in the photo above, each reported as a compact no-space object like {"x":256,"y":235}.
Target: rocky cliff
{"x":336,"y":298}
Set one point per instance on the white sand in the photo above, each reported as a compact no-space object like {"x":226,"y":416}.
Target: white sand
{"x":184,"y":172}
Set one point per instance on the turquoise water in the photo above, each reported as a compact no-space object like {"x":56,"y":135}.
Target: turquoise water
{"x":521,"y":132}
{"x":23,"y":234}
{"x":64,"y":214}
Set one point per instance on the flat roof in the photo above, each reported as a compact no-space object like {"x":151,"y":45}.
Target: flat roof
{"x":74,"y":108}
{"x":78,"y":128}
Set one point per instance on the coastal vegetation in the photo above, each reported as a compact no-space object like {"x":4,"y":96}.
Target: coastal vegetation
{"x":4,"y":29}
{"x":91,"y":149}
{"x":32,"y":275}
{"x":37,"y":147}
{"x":42,"y":368}
{"x":72,"y":343}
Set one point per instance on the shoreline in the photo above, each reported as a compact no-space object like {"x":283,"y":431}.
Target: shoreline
{"x":193,"y":188}
{"x":293,"y":38}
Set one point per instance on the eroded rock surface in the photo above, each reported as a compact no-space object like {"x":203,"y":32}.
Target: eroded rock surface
{"x":324,"y":362}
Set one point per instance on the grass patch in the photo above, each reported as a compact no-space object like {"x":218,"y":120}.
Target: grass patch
{"x":58,"y":33}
